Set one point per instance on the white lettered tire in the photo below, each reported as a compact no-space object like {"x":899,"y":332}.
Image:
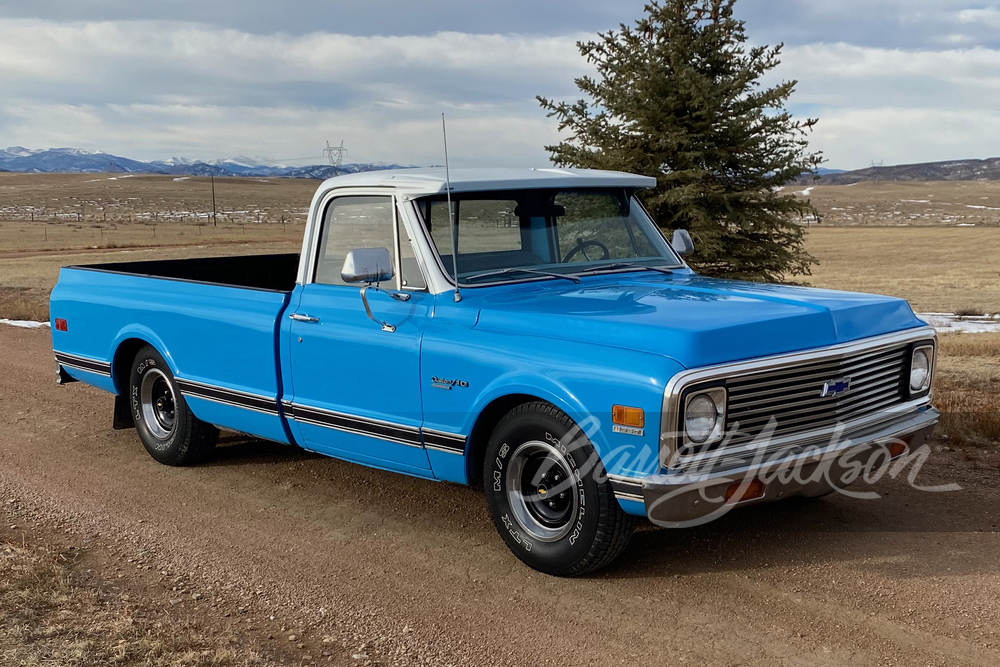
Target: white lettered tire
{"x":167,"y":428}
{"x":548,"y":493}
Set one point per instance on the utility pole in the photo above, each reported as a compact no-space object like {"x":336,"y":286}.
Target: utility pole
{"x":215,"y":222}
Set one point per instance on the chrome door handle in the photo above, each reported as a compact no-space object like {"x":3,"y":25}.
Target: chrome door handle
{"x":303,"y":318}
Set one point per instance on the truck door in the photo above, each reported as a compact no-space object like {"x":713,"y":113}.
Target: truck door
{"x":355,"y":390}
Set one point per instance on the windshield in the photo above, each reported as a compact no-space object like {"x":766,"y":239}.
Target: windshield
{"x":514,"y":235}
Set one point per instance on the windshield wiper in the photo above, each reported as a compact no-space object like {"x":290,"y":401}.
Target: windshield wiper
{"x":504,"y":272}
{"x":626,"y":265}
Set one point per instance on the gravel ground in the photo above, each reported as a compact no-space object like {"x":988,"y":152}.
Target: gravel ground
{"x":319,"y":555}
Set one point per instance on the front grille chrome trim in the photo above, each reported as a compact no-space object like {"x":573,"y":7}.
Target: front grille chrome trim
{"x":766,"y":407}
{"x":889,"y":366}
{"x":819,"y":371}
{"x":817,"y":364}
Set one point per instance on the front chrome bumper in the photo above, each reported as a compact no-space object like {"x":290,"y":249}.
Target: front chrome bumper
{"x":692,"y":497}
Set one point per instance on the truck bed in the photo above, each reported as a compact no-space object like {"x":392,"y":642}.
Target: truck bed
{"x":217,"y":319}
{"x":265,"y":272}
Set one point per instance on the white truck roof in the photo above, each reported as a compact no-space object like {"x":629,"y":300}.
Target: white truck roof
{"x":431,"y":181}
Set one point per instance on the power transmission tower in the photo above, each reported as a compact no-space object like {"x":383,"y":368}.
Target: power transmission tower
{"x":875,"y":165}
{"x":335,"y":155}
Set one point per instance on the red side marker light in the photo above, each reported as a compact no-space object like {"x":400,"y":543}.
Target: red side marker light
{"x":61,"y":324}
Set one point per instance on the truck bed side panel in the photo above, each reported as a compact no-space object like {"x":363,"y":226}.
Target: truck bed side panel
{"x":219,"y":341}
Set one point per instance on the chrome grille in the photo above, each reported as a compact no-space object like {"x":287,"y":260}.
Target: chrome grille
{"x":792,"y":395}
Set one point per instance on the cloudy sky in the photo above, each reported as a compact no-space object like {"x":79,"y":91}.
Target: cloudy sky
{"x":893,"y":80}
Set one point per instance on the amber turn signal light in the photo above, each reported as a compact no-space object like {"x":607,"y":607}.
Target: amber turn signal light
{"x":738,"y":493}
{"x":626,"y":416}
{"x":899,"y":447}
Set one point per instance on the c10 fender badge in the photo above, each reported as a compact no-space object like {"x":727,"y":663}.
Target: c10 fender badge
{"x":441,"y":383}
{"x":627,"y":430}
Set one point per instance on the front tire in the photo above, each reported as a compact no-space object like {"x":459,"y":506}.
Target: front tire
{"x":549,"y":496}
{"x":167,"y":428}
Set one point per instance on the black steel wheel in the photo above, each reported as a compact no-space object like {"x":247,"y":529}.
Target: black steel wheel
{"x":167,"y":428}
{"x":549,"y":496}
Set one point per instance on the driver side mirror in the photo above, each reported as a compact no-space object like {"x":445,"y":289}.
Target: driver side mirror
{"x":682,"y":243}
{"x":367,"y":265}
{"x":371,"y":266}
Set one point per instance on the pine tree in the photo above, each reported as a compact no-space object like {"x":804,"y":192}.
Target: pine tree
{"x":679,"y":97}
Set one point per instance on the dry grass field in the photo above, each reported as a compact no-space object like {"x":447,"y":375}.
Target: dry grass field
{"x":938,"y":269}
{"x":968,"y":388}
{"x":115,"y":198}
{"x":906,"y":204}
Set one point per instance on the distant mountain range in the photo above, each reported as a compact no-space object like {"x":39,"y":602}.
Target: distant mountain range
{"x":75,"y":160}
{"x":952,"y":170}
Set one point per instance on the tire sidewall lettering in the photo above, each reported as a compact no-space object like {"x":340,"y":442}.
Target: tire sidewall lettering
{"x":517,"y":536}
{"x":136,"y":403}
{"x":515,"y":533}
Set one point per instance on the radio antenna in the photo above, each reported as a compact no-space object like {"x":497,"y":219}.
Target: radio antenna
{"x":451,"y":214}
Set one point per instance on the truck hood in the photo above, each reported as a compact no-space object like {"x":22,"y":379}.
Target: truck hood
{"x":696,"y":321}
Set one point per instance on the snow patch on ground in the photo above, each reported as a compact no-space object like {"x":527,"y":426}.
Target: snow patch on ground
{"x":804,"y":193}
{"x":24,"y":324}
{"x":951,"y":323}
{"x":182,"y":178}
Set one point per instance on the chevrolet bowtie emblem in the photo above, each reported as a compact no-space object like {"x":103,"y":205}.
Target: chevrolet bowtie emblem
{"x":835,"y":387}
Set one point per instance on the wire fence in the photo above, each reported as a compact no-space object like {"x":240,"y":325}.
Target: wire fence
{"x":20,"y":235}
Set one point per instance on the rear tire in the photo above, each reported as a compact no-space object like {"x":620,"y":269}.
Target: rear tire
{"x":167,"y":428}
{"x":549,"y":496}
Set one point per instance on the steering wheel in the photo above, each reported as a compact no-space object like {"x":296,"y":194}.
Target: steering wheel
{"x":581,"y":246}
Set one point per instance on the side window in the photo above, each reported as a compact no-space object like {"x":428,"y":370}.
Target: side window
{"x":349,"y":223}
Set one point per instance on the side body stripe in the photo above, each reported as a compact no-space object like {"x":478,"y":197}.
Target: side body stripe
{"x":83,"y":364}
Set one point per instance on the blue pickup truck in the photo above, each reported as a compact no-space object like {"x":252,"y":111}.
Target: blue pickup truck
{"x":532,"y":331}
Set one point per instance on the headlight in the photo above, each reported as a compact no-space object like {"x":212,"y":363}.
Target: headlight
{"x":704,"y":416}
{"x":920,"y":369}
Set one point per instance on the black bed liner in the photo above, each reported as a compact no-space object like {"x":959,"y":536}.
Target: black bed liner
{"x":266,"y":272}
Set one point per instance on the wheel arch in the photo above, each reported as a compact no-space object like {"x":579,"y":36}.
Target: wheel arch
{"x":121,"y":363}
{"x":497,"y":407}
{"x":121,"y":371}
{"x":482,"y":429}
{"x":126,"y":347}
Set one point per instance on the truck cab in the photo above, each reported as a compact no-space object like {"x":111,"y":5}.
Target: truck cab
{"x":530,"y":330}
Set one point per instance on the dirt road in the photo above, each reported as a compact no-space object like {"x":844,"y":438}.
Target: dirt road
{"x":402,"y":571}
